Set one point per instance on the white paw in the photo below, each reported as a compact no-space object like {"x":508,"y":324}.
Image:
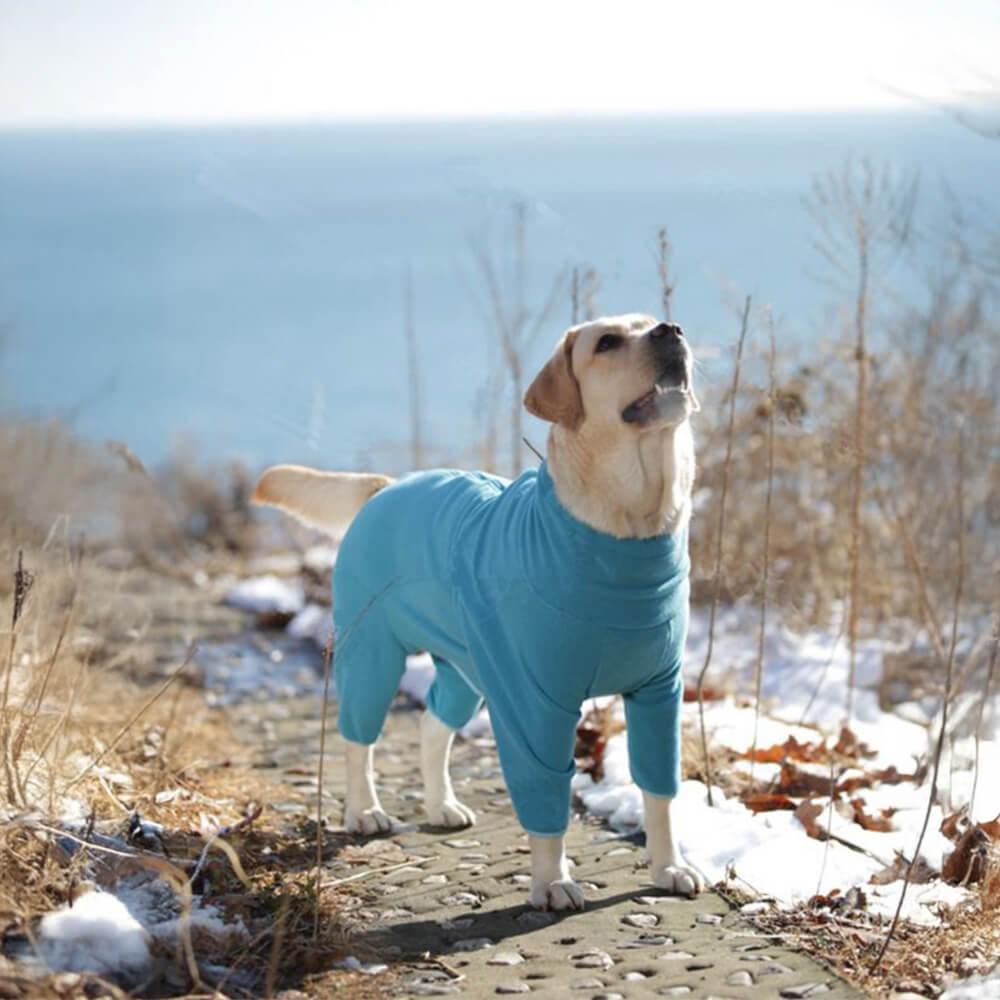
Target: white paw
{"x":678,"y":879}
{"x":367,"y":821}
{"x":563,"y":894}
{"x":450,"y":813}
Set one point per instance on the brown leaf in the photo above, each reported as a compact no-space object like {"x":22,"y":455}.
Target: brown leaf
{"x":796,"y":781}
{"x":767,"y":802}
{"x":880,"y":824}
{"x":807,"y":814}
{"x":973,"y":854}
{"x":791,"y":749}
{"x":953,"y":826}
{"x":849,"y":745}
{"x":890,"y":776}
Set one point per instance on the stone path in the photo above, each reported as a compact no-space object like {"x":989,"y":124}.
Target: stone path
{"x":464,"y":901}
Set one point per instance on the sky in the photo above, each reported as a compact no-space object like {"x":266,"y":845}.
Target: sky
{"x":120,"y":62}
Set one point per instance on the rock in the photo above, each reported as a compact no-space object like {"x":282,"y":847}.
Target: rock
{"x":593,"y":983}
{"x":673,"y":956}
{"x":505,"y":958}
{"x":803,"y":991}
{"x":708,"y":918}
{"x":472,"y":944}
{"x":435,"y":880}
{"x":674,"y":991}
{"x":593,"y":958}
{"x":773,"y":969}
{"x":533,"y":919}
{"x":462,"y":899}
{"x":648,"y":941}
{"x":515,"y":986}
{"x":461,"y":844}
{"x":641,"y":919}
{"x":739,"y":978}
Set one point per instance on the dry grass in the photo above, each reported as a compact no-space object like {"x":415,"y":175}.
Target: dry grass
{"x":83,"y":743}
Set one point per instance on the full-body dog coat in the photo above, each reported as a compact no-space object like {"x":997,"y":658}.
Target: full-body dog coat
{"x":522,"y":604}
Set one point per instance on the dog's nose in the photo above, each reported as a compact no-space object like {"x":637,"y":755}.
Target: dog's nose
{"x":671,"y":330}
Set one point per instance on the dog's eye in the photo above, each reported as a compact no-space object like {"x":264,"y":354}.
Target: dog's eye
{"x":608,"y":343}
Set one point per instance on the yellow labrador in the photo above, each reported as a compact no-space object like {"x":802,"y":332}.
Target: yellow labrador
{"x":620,"y":466}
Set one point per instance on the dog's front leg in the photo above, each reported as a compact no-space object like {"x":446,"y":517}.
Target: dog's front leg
{"x":440,"y":804}
{"x":362,"y":811}
{"x":551,"y":886}
{"x":665,"y":865}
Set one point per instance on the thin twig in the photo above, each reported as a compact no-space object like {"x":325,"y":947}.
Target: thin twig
{"x":979,"y":720}
{"x":328,"y":667}
{"x":160,"y":691}
{"x":758,"y":680}
{"x":720,"y":528}
{"x":946,"y":701}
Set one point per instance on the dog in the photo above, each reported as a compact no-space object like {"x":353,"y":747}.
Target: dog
{"x":570,"y":581}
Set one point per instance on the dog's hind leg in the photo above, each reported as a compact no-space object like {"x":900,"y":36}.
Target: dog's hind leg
{"x":363,"y":813}
{"x":440,"y":804}
{"x":451,"y":703}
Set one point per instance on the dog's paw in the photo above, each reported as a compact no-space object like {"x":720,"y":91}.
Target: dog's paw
{"x":563,"y":894}
{"x":450,"y":813}
{"x":367,"y":821}
{"x":678,"y":879}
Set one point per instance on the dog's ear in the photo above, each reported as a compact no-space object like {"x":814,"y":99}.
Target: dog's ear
{"x":554,"y":395}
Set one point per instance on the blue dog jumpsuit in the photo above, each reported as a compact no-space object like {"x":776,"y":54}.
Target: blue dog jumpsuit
{"x":523,"y":605}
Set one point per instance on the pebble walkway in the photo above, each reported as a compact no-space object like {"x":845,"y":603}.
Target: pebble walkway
{"x":463,"y":900}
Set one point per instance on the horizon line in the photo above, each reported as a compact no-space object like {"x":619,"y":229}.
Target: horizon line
{"x":299,"y":121}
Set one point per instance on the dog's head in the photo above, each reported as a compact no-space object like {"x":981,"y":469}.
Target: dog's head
{"x":619,"y":375}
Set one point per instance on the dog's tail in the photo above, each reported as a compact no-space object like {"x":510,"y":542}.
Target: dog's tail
{"x":324,"y":500}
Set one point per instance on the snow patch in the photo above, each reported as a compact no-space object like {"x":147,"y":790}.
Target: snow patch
{"x":97,"y":934}
{"x":266,"y":594}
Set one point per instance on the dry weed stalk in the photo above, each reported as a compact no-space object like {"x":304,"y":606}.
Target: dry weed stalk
{"x":720,"y":530}
{"x":664,"y":253}
{"x":327,"y":670}
{"x":946,"y":698}
{"x":765,"y":571}
{"x":508,"y":315}
{"x":414,"y":378}
{"x":994,"y":650}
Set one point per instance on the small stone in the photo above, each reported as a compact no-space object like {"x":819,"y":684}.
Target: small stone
{"x":609,"y":996}
{"x":750,"y":909}
{"x":674,"y":991}
{"x":461,"y":844}
{"x":652,"y":900}
{"x":614,"y":852}
{"x":462,"y":899}
{"x":476,"y":856}
{"x":533,"y":919}
{"x":673,"y":956}
{"x":407,"y":874}
{"x":435,"y":880}
{"x":641,"y":919}
{"x":773,"y":969}
{"x":739,"y":978}
{"x":396,"y":913}
{"x":708,"y":918}
{"x":505,"y":958}
{"x":470,"y":867}
{"x":457,"y":924}
{"x":472,"y":944}
{"x":519,"y":879}
{"x":593,"y":983}
{"x":698,"y":965}
{"x":805,"y":990}
{"x":634,"y":977}
{"x":594,"y":958}
{"x":515,"y":986}
{"x":648,"y":941}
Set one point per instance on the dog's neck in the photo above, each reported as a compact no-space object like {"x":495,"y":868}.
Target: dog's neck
{"x":638,"y":489}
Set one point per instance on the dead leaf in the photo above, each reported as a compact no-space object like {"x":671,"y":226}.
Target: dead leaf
{"x":807,"y":814}
{"x":796,"y":781}
{"x":767,"y":802}
{"x":973,"y":854}
{"x":880,"y":824}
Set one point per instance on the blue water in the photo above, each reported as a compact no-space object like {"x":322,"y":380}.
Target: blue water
{"x":242,"y":288}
